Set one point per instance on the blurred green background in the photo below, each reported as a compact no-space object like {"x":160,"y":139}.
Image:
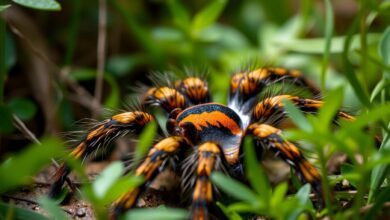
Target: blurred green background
{"x":50,"y":57}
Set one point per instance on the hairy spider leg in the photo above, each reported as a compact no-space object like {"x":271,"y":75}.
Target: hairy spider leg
{"x":208,"y":154}
{"x":195,"y":89}
{"x":249,"y":84}
{"x":166,"y":97}
{"x":105,"y":132}
{"x":273,"y":106}
{"x":271,"y":137}
{"x":149,"y":168}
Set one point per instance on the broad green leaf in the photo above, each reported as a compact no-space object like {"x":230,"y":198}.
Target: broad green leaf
{"x":40,"y":4}
{"x":303,"y":194}
{"x":384,"y":49}
{"x":52,"y":208}
{"x":6,"y":120}
{"x":160,"y":213}
{"x":25,"y":109}
{"x":107,"y":178}
{"x":208,"y":15}
{"x":3,"y":7}
{"x":19,"y":169}
{"x":297,"y":116}
{"x":235,"y":188}
{"x":145,"y":141}
{"x":9,"y":211}
{"x":255,"y":174}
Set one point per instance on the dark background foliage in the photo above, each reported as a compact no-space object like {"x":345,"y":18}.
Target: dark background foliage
{"x":50,"y":62}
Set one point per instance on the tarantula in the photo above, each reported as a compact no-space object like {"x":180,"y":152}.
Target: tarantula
{"x":207,"y":134}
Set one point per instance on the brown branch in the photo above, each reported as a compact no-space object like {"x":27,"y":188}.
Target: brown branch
{"x":101,"y":51}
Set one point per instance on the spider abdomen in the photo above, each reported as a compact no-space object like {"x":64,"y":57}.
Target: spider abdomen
{"x":213,"y":122}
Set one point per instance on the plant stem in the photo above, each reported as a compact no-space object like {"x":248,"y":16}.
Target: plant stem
{"x":324,"y":181}
{"x":101,"y":51}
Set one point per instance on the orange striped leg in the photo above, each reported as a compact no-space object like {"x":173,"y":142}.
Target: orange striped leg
{"x":203,"y":192}
{"x":166,"y":97}
{"x":271,"y":137}
{"x":106,"y":131}
{"x":195,"y":89}
{"x":273,"y":106}
{"x":148,"y":169}
{"x":249,"y":84}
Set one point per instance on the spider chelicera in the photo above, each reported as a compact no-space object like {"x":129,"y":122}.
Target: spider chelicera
{"x":207,"y":134}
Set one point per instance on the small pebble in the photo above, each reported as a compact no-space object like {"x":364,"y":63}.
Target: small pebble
{"x":80,"y":212}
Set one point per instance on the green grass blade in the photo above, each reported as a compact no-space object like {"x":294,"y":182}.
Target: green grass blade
{"x":255,"y":174}
{"x":234,"y":188}
{"x":329,"y":23}
{"x":297,"y":116}
{"x":208,"y":15}
{"x":349,"y":71}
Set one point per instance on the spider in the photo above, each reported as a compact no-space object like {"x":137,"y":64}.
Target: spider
{"x":204,"y":136}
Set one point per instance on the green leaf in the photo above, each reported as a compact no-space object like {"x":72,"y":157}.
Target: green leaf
{"x":329,"y":23}
{"x":122,"y":65}
{"x":330,"y":108}
{"x":348,"y":68}
{"x":20,"y":169}
{"x":160,"y":213}
{"x":303,"y":194}
{"x":379,"y":173}
{"x":107,"y":178}
{"x":297,"y":116}
{"x":3,"y":7}
{"x":121,"y":186}
{"x":234,"y":188}
{"x":9,"y":211}
{"x":208,"y":15}
{"x":25,"y":109}
{"x":6,"y":126}
{"x":384,"y":49}
{"x":145,"y":141}
{"x":40,"y":4}
{"x":255,"y":173}
{"x":317,"y":45}
{"x":181,"y":18}
{"x":279,"y":194}
{"x":229,"y":213}
{"x":52,"y":208}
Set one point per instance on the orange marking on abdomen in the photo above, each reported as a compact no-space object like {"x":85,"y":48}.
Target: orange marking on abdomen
{"x":215,"y":118}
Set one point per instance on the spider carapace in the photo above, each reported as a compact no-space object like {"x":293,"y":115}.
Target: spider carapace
{"x":204,"y":137}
